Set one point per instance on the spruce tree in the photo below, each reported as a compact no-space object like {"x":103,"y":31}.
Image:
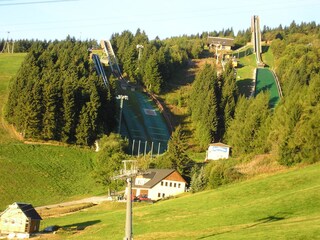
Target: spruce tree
{"x":204,"y":105}
{"x":177,"y":153}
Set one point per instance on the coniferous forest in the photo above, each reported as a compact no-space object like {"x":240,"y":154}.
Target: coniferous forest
{"x":57,"y":95}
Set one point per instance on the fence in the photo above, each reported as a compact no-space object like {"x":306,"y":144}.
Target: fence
{"x":140,"y":147}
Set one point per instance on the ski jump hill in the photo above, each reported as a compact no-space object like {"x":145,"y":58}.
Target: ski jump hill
{"x":265,"y":79}
{"x":140,"y":119}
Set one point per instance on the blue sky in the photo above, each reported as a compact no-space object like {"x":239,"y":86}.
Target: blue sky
{"x":99,"y":19}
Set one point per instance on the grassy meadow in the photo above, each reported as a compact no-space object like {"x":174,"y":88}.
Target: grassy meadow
{"x":279,"y":206}
{"x":9,"y":65}
{"x":35,"y":173}
{"x":41,"y":174}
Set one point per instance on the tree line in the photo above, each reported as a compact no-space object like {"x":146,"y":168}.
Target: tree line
{"x":57,"y":95}
{"x":24,"y":45}
{"x":153,"y":62}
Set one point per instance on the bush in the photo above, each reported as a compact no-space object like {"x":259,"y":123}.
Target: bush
{"x":221,"y":172}
{"x":198,"y":179}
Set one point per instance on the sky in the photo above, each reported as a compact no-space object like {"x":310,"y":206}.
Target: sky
{"x":99,"y":19}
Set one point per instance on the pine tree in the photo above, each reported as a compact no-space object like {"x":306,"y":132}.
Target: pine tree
{"x":229,"y":98}
{"x":245,"y":130}
{"x":152,"y":78}
{"x":177,"y":153}
{"x":69,"y":110}
{"x":204,"y":102}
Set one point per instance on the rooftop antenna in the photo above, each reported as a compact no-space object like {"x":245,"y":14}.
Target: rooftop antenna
{"x":129,"y":171}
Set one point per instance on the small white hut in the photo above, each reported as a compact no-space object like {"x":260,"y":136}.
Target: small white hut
{"x":217,"y":151}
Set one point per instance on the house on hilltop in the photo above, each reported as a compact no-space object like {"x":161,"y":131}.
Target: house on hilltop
{"x":158,"y":183}
{"x":20,"y":218}
{"x":220,"y":43}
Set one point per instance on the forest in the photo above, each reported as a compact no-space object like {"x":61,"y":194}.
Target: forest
{"x":57,"y":95}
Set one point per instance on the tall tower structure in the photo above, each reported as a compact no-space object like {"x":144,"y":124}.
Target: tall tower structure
{"x":256,"y":34}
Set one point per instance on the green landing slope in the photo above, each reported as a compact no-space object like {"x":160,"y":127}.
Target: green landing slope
{"x":265,"y":81}
{"x":143,"y":124}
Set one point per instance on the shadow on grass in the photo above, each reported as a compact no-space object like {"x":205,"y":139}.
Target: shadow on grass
{"x":81,"y":225}
{"x":265,"y":88}
{"x":245,"y":86}
{"x":273,"y":102}
{"x":215,"y":234}
{"x":272,"y":218}
{"x":265,"y":49}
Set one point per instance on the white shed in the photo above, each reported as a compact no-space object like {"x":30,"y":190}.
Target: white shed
{"x":217,"y":151}
{"x":20,"y":218}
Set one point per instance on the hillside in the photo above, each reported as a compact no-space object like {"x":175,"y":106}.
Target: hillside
{"x":280,"y":206}
{"x":9,"y":65}
{"x":40,"y":174}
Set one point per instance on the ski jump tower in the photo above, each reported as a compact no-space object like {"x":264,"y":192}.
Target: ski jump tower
{"x":256,"y":39}
{"x":112,"y":60}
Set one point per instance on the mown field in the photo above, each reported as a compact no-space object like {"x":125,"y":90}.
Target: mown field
{"x":38,"y":174}
{"x":42,"y":174}
{"x":280,"y":206}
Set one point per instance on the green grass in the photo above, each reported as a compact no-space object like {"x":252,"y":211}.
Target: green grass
{"x":267,"y":56}
{"x":9,"y":65}
{"x":281,"y":206}
{"x":42,"y":174}
{"x":245,"y":74}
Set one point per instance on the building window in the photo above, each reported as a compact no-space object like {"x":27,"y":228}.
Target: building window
{"x":179,"y":185}
{"x":171,"y":184}
{"x":163,"y":194}
{"x":161,"y":183}
{"x":175,"y":185}
{"x":159,"y":194}
{"x":166,"y":184}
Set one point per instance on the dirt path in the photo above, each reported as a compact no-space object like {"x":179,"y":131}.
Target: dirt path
{"x":94,"y":200}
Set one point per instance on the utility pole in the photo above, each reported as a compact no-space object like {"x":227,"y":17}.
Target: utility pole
{"x":121,"y":97}
{"x":6,"y":45}
{"x":128,"y":172}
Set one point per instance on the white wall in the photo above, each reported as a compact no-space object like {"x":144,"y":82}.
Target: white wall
{"x":13,"y":221}
{"x":172,"y":188}
{"x":217,"y":152}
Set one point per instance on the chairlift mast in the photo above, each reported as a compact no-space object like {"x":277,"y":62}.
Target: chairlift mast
{"x":129,"y":171}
